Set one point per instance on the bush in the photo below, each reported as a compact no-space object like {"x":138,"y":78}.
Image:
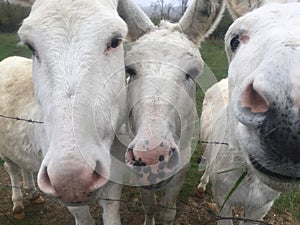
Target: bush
{"x":222,"y":28}
{"x":11,"y":16}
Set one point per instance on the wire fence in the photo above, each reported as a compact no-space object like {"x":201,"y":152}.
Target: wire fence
{"x":20,"y":119}
{"x":137,"y":203}
{"x":183,"y":208}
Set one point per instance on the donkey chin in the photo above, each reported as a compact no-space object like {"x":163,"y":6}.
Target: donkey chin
{"x":157,"y":175}
{"x":279,"y":175}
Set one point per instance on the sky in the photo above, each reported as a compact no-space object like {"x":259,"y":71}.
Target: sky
{"x":148,"y":2}
{"x":143,"y":2}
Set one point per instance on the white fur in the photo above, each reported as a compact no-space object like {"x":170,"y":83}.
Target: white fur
{"x":262,"y":86}
{"x":255,"y":197}
{"x":72,"y":62}
{"x":161,"y":98}
{"x":238,"y":8}
{"x":17,"y":100}
{"x":77,"y":79}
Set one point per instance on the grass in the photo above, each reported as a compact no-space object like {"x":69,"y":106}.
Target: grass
{"x":288,"y":204}
{"x":214,"y":55}
{"x":9,"y":46}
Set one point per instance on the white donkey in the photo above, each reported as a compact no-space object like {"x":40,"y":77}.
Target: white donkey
{"x":238,"y":8}
{"x":260,"y":118}
{"x":15,"y":148}
{"x":78,"y":72}
{"x":163,"y":66}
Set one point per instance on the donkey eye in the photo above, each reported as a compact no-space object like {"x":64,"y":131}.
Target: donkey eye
{"x":116,"y":42}
{"x":130,"y":71}
{"x":192,"y":73}
{"x":187,"y":76}
{"x":32,"y":49}
{"x":235,"y":42}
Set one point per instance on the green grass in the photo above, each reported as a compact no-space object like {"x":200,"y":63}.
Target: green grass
{"x":214,"y":56}
{"x":289,"y":204}
{"x":9,"y":46}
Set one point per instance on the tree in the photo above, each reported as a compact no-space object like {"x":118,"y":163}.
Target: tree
{"x":162,"y":10}
{"x":183,"y":6}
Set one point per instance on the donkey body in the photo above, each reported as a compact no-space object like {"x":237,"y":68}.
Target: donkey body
{"x":259,"y":120}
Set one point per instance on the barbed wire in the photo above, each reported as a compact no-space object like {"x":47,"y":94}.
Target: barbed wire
{"x":213,"y":142}
{"x":39,"y":122}
{"x":137,"y":203}
{"x":20,"y":119}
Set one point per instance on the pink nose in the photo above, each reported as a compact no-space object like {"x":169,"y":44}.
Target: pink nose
{"x":254,"y":99}
{"x":73,"y":183}
{"x":143,"y":156}
{"x":152,"y":164}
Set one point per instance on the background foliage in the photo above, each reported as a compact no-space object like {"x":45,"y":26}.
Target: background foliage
{"x":11,"y":16}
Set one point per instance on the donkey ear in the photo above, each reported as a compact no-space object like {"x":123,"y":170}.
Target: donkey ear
{"x":137,"y":21}
{"x":24,"y":3}
{"x":201,"y":18}
{"x":238,"y":8}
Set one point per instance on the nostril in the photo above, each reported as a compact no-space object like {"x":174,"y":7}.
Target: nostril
{"x":44,"y":181}
{"x":161,"y":158}
{"x":171,"y":151}
{"x":254,"y":100}
{"x":98,"y":179}
{"x":129,"y":157}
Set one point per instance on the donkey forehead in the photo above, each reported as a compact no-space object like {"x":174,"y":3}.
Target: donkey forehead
{"x":56,"y":16}
{"x":164,"y":46}
{"x":269,"y":30}
{"x":164,"y":38}
{"x":283,"y":19}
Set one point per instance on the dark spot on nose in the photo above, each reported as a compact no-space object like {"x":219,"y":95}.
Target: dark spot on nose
{"x":146,"y":142}
{"x":161,"y":158}
{"x":138,"y":169}
{"x":295,"y":137}
{"x":139,"y":163}
{"x":162,"y":165}
{"x":152,"y":178}
{"x":171,"y":151}
{"x":161,"y":174}
{"x":161,"y":144}
{"x":147,"y":170}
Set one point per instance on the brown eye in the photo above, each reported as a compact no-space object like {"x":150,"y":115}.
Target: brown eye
{"x":33,"y":50}
{"x":235,"y":42}
{"x":29,"y":46}
{"x":187,"y":76}
{"x":130,"y":71}
{"x":116,"y":42}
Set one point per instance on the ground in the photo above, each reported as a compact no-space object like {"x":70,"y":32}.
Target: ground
{"x":192,"y":210}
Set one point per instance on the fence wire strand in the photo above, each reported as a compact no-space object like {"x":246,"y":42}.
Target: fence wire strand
{"x":137,"y":203}
{"x":20,"y":119}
